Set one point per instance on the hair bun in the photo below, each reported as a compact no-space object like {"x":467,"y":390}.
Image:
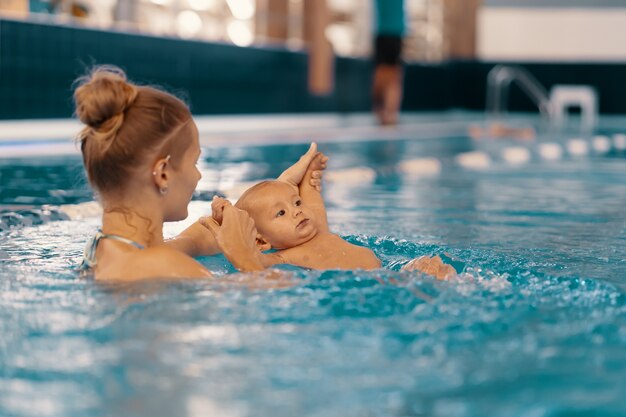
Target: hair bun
{"x":103,"y":94}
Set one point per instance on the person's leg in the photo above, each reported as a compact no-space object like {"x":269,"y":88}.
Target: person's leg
{"x":378,"y":93}
{"x":393,"y":95}
{"x":387,"y":93}
{"x":388,"y":78}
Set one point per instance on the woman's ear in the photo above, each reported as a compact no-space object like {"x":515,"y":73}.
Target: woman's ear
{"x":160,"y":171}
{"x":262,"y":244}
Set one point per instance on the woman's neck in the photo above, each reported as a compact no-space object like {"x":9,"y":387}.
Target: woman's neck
{"x":144,"y":228}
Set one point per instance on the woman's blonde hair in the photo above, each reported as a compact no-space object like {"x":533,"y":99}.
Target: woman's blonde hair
{"x":125,"y":124}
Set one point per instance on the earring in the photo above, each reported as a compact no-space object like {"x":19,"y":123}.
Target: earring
{"x":167,"y":159}
{"x":163,"y":190}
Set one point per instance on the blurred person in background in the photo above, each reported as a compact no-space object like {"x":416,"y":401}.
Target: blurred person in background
{"x":389,"y":29}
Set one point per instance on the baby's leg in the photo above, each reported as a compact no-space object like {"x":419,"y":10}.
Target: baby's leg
{"x":431,"y":266}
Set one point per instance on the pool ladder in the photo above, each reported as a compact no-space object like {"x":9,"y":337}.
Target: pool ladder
{"x":553,"y":107}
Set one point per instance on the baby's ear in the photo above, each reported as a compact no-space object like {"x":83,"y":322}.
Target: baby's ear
{"x":262,"y":244}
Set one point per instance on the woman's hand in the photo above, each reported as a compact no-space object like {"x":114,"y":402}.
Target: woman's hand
{"x":236,"y":237}
{"x":317,"y":165}
{"x":431,"y":266}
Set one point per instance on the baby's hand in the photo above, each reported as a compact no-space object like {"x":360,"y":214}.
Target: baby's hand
{"x":217,"y":208}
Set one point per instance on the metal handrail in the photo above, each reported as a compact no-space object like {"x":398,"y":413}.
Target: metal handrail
{"x":499,"y":80}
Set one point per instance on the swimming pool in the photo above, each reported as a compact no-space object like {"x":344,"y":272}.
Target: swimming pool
{"x":536,"y":325}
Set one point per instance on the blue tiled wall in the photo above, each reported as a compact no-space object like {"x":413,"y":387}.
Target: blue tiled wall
{"x":39,"y":62}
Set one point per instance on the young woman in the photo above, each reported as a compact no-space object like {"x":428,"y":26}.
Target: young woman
{"x":140,"y":148}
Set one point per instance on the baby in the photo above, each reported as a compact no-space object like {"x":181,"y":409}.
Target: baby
{"x":290,"y":217}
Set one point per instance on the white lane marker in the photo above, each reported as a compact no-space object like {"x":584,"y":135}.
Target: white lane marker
{"x":516,"y":155}
{"x":601,"y":144}
{"x":577,"y":147}
{"x":420,"y":166}
{"x":550,"y":151}
{"x":473,"y":160}
{"x":351,"y":175}
{"x":619,"y":140}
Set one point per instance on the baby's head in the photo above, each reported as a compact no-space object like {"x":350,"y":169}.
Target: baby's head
{"x":281,"y":218}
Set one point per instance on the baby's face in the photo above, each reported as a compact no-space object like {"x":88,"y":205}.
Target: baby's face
{"x":281,"y":217}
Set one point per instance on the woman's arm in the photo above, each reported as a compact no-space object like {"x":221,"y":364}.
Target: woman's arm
{"x":306,"y":175}
{"x":295,"y":173}
{"x":271,"y":259}
{"x":194,"y":241}
{"x":311,"y":194}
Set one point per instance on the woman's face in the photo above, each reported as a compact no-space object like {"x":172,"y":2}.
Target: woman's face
{"x":184,"y":178}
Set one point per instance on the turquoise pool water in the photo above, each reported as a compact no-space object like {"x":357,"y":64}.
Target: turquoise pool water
{"x":535,"y":326}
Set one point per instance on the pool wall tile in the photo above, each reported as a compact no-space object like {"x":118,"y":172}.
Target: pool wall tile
{"x":40,"y":61}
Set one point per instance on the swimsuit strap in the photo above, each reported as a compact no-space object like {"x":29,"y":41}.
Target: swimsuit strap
{"x":120,"y":239}
{"x":89,"y":258}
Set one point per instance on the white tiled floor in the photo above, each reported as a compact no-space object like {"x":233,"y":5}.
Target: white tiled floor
{"x":55,"y":137}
